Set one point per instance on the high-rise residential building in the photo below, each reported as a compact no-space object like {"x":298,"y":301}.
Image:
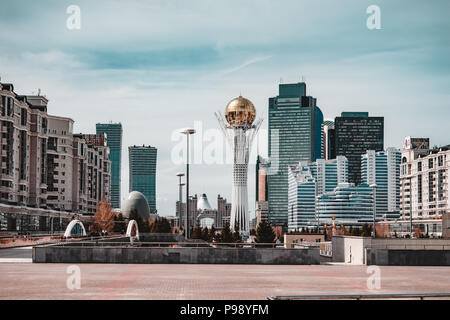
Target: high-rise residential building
{"x":347,"y":205}
{"x":59,"y":163}
{"x":383,"y":169}
{"x":356,"y":133}
{"x":307,"y":180}
{"x":329,"y":140}
{"x":424,"y":175}
{"x":91,"y":172}
{"x":142,"y":161}
{"x":23,"y":128}
{"x":114,"y":142}
{"x":45,"y":169}
{"x":261,"y":206}
{"x":295,"y":135}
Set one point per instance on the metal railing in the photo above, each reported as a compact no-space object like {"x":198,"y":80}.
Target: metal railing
{"x":389,"y":296}
{"x":410,"y":246}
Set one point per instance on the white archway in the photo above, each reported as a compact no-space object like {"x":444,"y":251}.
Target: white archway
{"x":132,"y":229}
{"x":73,"y":224}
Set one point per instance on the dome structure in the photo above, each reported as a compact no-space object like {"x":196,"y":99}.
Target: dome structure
{"x":203,"y":203}
{"x":240,"y":112}
{"x":136,"y":201}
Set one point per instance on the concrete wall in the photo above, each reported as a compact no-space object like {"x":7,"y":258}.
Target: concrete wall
{"x":131,"y":255}
{"x":354,"y":250}
{"x":383,"y":257}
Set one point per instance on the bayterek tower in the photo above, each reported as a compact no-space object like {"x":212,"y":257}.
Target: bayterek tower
{"x":240,"y":132}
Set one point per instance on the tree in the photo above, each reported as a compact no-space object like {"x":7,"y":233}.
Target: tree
{"x":103,"y":218}
{"x":196,"y":232}
{"x":212,"y":234}
{"x":143,"y":225}
{"x":119,"y":223}
{"x":236,"y":236}
{"x":205,"y":234}
{"x":226,"y":235}
{"x":264,"y":233}
{"x":161,"y":225}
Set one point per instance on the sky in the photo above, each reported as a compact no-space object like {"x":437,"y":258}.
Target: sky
{"x":159,"y":66}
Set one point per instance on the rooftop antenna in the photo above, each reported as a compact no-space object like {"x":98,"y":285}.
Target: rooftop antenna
{"x":303,"y":79}
{"x":39,"y":91}
{"x":281,"y":80}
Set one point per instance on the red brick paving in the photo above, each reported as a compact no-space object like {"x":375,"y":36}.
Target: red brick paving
{"x":177,"y":281}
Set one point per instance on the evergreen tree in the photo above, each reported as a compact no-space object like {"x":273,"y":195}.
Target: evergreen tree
{"x":226,"y":236}
{"x":236,"y":236}
{"x":119,"y":224}
{"x":205,"y":234}
{"x":161,"y":225}
{"x":211,"y":234}
{"x":264,"y":233}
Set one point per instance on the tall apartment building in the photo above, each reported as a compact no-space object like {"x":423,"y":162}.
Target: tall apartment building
{"x":23,"y":126}
{"x":294,"y":135}
{"x":223,"y":212}
{"x":356,"y":133}
{"x":59,"y":163}
{"x":424,"y":175}
{"x":92,"y":169}
{"x":142,"y":162}
{"x":307,"y":180}
{"x":114,"y":142}
{"x":383,"y":169}
{"x":40,"y":158}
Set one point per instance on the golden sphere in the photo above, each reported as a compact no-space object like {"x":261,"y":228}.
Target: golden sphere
{"x":240,"y":112}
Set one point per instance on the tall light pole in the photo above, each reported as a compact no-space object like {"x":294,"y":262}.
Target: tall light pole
{"x":180,"y":186}
{"x":187,"y":132}
{"x":374,"y":191}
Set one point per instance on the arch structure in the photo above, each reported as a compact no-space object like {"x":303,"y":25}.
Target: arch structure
{"x":132,"y":229}
{"x":75,"y":228}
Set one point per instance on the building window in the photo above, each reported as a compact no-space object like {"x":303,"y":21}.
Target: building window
{"x":430,"y":163}
{"x":419,"y":166}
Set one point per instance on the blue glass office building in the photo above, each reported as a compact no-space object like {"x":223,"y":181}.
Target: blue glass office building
{"x":142,"y":161}
{"x":383,"y":169}
{"x":114,"y":142}
{"x":293,"y":137}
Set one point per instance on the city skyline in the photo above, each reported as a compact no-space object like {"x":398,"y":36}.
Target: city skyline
{"x":169,"y":71}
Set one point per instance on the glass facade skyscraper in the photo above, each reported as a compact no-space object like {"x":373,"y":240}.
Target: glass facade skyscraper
{"x":114,"y":142}
{"x":356,"y":133}
{"x":142,"y":161}
{"x":383,"y":169}
{"x":308,"y":180}
{"x":293,"y":119}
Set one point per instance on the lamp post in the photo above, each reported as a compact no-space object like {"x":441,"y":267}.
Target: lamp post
{"x":187,"y":132}
{"x":180,"y":186}
{"x":374,"y":191}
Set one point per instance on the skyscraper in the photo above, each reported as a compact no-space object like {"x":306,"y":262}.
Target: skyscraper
{"x":142,"y":161}
{"x":114,"y":142}
{"x":294,"y":129}
{"x":356,"y":133}
{"x":307,"y":180}
{"x":383,"y":169}
{"x":329,"y":140}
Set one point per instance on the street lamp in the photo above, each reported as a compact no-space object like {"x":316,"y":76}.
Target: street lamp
{"x":374,"y":191}
{"x":187,"y":132}
{"x":180,"y":185}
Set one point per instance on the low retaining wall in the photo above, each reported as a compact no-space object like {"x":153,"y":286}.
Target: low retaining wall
{"x":130,"y":255}
{"x":388,"y":257}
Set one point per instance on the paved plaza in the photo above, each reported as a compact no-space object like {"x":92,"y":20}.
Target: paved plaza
{"x":25,"y":280}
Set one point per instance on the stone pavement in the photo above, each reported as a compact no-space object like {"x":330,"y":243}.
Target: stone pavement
{"x":178,"y":281}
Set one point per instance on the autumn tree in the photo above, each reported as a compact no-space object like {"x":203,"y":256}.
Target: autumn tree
{"x":104,"y":218}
